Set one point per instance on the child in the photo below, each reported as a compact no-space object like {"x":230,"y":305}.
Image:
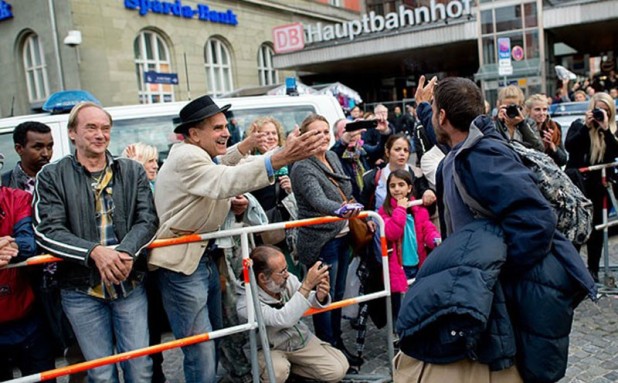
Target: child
{"x":408,"y":232}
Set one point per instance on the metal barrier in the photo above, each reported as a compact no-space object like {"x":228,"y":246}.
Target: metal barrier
{"x":254,"y":315}
{"x":609,"y":281}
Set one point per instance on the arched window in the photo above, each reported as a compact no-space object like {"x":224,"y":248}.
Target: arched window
{"x":218,"y":67}
{"x":35,"y":69}
{"x":152,"y":55}
{"x":267,"y":73}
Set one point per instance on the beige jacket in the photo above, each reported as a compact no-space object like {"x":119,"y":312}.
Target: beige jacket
{"x":192,"y":195}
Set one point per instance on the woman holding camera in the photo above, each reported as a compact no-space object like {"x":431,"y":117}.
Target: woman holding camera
{"x":510,"y":120}
{"x":549,"y":131}
{"x":321,"y":188}
{"x":593,"y":141}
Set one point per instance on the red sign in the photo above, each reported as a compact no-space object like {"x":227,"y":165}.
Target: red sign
{"x":517,"y":53}
{"x":289,"y":38}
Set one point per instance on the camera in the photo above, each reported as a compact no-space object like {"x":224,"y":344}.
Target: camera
{"x":361,"y":124}
{"x":598,"y":114}
{"x":512,"y":111}
{"x":281,"y":172}
{"x":73,"y":39}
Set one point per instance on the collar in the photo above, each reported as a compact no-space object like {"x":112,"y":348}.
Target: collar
{"x":111,"y":162}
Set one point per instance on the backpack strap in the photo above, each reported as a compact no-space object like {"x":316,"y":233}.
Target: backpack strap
{"x":477,"y":209}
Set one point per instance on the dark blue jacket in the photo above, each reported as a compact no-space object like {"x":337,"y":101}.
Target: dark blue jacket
{"x":455,"y":308}
{"x":543,"y":278}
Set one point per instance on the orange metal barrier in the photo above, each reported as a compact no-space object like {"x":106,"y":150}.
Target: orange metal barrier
{"x":254,"y":315}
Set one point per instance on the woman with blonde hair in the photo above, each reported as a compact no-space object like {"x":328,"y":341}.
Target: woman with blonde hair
{"x":593,"y":141}
{"x":275,"y":136}
{"x":147,"y":155}
{"x":549,"y":131}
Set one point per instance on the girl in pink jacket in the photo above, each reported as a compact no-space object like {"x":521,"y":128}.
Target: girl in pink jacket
{"x":409,"y":233}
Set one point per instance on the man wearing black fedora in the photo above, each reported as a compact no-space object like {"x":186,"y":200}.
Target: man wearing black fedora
{"x":193,"y":194}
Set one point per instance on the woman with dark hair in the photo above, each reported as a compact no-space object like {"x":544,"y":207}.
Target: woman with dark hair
{"x":397,"y":152}
{"x":321,"y":187}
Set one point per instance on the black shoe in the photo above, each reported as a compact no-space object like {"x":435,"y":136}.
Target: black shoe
{"x":353,"y":360}
{"x":595,"y":276}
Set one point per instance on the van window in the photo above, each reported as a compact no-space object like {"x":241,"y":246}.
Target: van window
{"x":159,"y":131}
{"x":288,"y":116}
{"x":7,"y":148}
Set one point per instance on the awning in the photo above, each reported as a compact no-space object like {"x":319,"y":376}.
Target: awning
{"x":524,"y":68}
{"x":338,"y":89}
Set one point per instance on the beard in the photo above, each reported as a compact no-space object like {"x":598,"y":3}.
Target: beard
{"x":275,"y":288}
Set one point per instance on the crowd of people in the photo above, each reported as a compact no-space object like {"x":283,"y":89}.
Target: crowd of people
{"x":99,"y":213}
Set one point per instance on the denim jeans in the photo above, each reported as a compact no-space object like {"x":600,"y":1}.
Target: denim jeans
{"x":336,"y":253}
{"x":97,"y":323}
{"x":193,"y":306}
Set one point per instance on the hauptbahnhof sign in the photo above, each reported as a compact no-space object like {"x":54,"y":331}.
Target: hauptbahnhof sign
{"x":372,"y":23}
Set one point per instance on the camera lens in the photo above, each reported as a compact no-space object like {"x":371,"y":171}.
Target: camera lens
{"x":512,"y":111}
{"x":598,"y":115}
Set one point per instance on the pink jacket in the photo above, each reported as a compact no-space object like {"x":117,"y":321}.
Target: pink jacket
{"x":425,"y":230}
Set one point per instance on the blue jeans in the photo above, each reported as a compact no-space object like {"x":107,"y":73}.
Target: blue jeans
{"x":193,"y":306}
{"x":336,"y":253}
{"x":97,"y":323}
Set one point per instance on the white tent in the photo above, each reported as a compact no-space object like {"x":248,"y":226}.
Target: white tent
{"x":338,"y":89}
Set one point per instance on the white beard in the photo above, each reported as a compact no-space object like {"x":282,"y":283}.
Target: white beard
{"x":274,"y":288}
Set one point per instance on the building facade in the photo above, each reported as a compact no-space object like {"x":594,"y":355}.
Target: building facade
{"x":130,"y":51}
{"x":382,"y":52}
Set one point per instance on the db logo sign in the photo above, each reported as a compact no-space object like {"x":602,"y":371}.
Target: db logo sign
{"x":289,"y":38}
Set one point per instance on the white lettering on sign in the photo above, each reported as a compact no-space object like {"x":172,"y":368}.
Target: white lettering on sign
{"x":374,"y":23}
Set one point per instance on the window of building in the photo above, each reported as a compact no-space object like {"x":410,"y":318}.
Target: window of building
{"x":336,"y":3}
{"x":152,"y":55}
{"x":517,"y":22}
{"x":35,"y":69}
{"x":218,"y":67}
{"x":267,"y":73}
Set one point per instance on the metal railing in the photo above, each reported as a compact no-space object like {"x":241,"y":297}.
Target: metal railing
{"x":254,"y":314}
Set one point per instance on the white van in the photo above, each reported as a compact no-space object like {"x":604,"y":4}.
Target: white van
{"x":153,"y":124}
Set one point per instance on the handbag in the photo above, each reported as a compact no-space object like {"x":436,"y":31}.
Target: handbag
{"x":359,"y":230}
{"x":274,"y":215}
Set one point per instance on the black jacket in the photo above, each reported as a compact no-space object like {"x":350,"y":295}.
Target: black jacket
{"x":65,"y":217}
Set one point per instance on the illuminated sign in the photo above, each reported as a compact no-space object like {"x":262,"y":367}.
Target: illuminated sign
{"x":373,"y":23}
{"x":201,"y":11}
{"x":289,"y":38}
{"x":5,"y":10}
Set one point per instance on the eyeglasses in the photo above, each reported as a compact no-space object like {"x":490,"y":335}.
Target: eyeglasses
{"x":281,"y":273}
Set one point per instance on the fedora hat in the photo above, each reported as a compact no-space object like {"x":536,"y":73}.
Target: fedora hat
{"x":196,"y":111}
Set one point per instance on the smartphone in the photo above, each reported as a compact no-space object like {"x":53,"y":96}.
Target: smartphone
{"x":361,"y":124}
{"x":347,"y":207}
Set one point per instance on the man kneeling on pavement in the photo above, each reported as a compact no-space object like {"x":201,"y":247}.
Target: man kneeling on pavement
{"x":283,"y":300}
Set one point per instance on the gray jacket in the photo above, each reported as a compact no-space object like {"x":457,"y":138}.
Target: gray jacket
{"x":283,"y":317}
{"x":317,"y":196}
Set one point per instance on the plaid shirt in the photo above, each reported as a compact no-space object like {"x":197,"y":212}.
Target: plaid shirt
{"x":104,"y":207}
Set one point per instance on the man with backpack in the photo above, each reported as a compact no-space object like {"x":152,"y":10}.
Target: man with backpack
{"x":495,"y":272}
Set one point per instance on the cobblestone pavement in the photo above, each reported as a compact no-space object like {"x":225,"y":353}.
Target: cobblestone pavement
{"x":593,"y":353}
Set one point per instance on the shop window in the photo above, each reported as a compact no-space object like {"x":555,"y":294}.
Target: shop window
{"x":530,"y":15}
{"x":152,"y":55}
{"x":266,"y":71}
{"x":218,"y":67}
{"x":489,"y":50}
{"x":35,"y":69}
{"x":508,"y":18}
{"x":532,"y":45}
{"x":487,"y":22}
